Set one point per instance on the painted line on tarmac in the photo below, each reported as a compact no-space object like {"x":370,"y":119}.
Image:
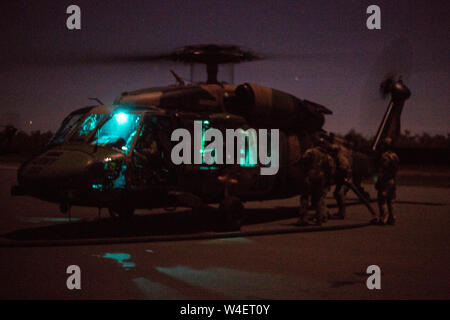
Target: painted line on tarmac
{"x":197,"y":236}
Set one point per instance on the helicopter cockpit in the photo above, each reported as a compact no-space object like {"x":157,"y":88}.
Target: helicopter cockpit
{"x":87,"y":126}
{"x":78,"y":125}
{"x":117,"y":131}
{"x":68,"y":125}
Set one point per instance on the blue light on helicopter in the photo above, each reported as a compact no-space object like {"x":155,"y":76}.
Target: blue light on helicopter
{"x":121,"y":118}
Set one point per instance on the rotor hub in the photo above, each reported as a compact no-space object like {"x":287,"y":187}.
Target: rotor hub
{"x":212,"y":55}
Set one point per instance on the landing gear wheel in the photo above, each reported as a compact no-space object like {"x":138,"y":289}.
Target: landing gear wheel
{"x":121,"y":211}
{"x":231,"y":212}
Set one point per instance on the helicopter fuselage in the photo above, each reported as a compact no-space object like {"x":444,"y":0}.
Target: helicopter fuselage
{"x":96,"y":166}
{"x":98,"y":175}
{"x":108,"y":157}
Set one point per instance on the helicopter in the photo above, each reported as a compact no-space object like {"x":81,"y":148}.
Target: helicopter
{"x":119,"y":157}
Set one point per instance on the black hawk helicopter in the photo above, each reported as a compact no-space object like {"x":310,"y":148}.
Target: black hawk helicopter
{"x":118,"y":157}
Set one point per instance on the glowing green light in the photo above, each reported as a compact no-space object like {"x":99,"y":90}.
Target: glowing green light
{"x":47,"y":219}
{"x":121,"y":118}
{"x":97,"y":186}
{"x":203,"y":150}
{"x":120,"y":258}
{"x":248,"y":151}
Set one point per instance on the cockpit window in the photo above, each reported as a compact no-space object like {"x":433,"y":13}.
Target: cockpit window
{"x":89,"y":124}
{"x":67,"y":126}
{"x":118,"y":131}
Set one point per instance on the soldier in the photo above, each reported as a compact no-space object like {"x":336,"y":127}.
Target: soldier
{"x":385,"y":185}
{"x":343,"y":173}
{"x":319,"y":168}
{"x":149,"y":148}
{"x":149,"y":145}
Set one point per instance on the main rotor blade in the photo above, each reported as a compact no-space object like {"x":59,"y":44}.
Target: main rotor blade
{"x":189,"y":54}
{"x":210,"y":54}
{"x":308,"y":57}
{"x":85,"y":59}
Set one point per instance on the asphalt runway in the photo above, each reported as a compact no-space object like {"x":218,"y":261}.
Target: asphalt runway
{"x":414,"y":255}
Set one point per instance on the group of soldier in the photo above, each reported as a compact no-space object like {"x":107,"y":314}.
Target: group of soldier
{"x":329,"y":163}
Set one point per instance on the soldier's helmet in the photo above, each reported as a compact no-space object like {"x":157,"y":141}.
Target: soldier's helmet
{"x":334,"y":149}
{"x":386,"y":145}
{"x":327,"y":146}
{"x":322,"y":144}
{"x":331,"y":137}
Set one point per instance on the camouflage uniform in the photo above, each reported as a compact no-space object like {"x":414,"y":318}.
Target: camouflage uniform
{"x":385,"y":185}
{"x":343,"y":160}
{"x":319,"y":168}
{"x":149,"y":146}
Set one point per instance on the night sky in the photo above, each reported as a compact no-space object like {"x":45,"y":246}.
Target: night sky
{"x":337,"y":61}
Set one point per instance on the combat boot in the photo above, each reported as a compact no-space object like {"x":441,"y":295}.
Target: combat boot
{"x":301,"y":222}
{"x":303,"y":211}
{"x":318,"y":220}
{"x":340,"y":214}
{"x":383,"y":217}
{"x":391,"y":220}
{"x":303,"y":218}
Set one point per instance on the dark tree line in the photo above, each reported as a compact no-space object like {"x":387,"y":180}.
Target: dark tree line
{"x":405,"y":141}
{"x":418,"y":149}
{"x":25,"y":143}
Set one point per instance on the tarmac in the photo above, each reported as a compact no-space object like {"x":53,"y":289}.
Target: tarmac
{"x":170,"y":255}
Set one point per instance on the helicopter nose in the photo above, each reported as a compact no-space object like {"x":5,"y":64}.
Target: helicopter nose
{"x":56,"y":169}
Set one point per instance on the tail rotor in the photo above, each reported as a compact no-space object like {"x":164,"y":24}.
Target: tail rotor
{"x":390,"y":125}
